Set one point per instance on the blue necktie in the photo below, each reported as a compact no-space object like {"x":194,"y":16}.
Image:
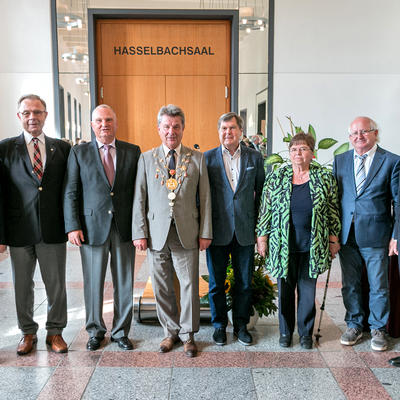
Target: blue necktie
{"x":360,"y":173}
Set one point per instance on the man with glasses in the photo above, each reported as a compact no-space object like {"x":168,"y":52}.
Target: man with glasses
{"x":368,"y":178}
{"x":32,"y":173}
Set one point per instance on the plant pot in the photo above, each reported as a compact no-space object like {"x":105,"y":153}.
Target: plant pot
{"x":252,"y":322}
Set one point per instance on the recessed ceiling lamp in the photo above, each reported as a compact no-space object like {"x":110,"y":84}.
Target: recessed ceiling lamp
{"x":251,"y":18}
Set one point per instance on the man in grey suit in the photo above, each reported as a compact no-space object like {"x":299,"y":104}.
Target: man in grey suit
{"x":32,"y":172}
{"x":172,"y":219}
{"x":98,"y":198}
{"x":368,"y":179}
{"x":236,"y":176}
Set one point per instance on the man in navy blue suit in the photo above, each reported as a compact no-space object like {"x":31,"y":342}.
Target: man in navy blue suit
{"x":236,"y":175}
{"x":368,"y":178}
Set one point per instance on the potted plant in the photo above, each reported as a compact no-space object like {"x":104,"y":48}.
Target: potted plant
{"x":263,"y":289}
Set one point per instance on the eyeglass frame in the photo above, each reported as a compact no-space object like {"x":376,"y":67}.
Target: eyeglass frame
{"x":362,"y":132}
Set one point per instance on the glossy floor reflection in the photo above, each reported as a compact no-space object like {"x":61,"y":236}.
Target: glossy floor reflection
{"x":261,"y":371}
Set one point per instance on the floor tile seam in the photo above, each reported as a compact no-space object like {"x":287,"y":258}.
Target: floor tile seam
{"x":377,"y":382}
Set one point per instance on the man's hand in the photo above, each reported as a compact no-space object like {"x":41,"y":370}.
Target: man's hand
{"x":204,"y":243}
{"x":140,"y":244}
{"x":3,"y":248}
{"x":393,"y":247}
{"x":262,"y":246}
{"x":76,"y":237}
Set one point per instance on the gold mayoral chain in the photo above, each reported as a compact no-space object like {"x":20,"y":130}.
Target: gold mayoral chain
{"x":176,"y":175}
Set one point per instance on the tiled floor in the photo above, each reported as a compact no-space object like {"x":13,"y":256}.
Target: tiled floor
{"x":261,"y":371}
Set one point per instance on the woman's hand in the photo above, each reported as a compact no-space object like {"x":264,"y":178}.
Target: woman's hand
{"x":334,"y":246}
{"x":262,"y":246}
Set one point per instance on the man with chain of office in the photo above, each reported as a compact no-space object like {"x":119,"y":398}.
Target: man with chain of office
{"x":172,"y":220}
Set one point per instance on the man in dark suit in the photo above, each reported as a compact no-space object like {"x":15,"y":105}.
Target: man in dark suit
{"x":98,"y":199}
{"x":33,"y":168}
{"x":368,"y":179}
{"x":236,"y":176}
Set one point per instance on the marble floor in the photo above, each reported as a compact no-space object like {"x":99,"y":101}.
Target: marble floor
{"x":261,"y":371}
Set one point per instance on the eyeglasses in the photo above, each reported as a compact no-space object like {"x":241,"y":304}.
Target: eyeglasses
{"x":300,"y":149}
{"x":36,"y":113}
{"x":362,"y":132}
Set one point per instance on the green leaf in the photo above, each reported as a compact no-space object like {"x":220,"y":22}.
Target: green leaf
{"x":274,"y":159}
{"x":205,"y":277}
{"x":311,"y":131}
{"x":326,"y":143}
{"x":298,"y":129}
{"x":341,"y":149}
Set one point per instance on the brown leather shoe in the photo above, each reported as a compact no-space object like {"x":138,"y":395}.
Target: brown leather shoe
{"x":57,"y":343}
{"x":26,"y":344}
{"x":190,"y":348}
{"x":168,"y":343}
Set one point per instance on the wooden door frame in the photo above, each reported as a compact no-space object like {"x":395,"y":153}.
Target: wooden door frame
{"x":231,"y":15}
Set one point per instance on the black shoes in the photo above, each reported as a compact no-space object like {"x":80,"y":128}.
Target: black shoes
{"x":285,"y":340}
{"x":395,"y":361}
{"x":219,"y":336}
{"x":306,"y":342}
{"x":123,"y":343}
{"x":243,"y":336}
{"x":94,"y":343}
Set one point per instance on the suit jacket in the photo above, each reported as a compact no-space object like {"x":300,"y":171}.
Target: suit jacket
{"x":192,"y":209}
{"x":2,"y":230}
{"x":372,"y":208}
{"x":235,"y":212}
{"x":90,"y":203}
{"x":32,"y":208}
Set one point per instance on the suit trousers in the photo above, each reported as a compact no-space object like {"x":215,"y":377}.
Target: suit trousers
{"x":243,"y":266}
{"x":94,"y":266}
{"x":51,"y":258}
{"x":185,"y":262}
{"x":298,"y":276}
{"x":376,"y":260}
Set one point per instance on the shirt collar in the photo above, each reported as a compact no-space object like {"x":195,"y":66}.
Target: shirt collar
{"x":100,"y":145}
{"x":369,"y":153}
{"x":177,"y":150}
{"x":227,"y":152}
{"x":28,"y":137}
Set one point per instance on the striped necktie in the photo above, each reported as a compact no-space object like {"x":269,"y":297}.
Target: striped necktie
{"x":37,"y":159}
{"x":360,"y":174}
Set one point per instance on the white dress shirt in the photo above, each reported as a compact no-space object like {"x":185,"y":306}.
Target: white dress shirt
{"x":368,"y":160}
{"x":42,"y":147}
{"x":232,"y":165}
{"x":112,"y":151}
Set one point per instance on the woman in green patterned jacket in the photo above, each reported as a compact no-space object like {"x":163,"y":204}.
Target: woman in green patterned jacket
{"x":298,"y":228}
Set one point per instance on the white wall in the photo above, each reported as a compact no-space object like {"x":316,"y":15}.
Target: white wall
{"x":26,"y":63}
{"x":335,"y":60}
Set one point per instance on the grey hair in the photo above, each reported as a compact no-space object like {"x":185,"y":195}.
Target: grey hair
{"x":31,"y":97}
{"x":228,"y":116}
{"x":103,"y":106}
{"x":372,"y":124}
{"x":171,"y":110}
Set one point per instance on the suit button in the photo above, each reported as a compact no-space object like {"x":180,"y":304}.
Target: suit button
{"x":111,"y":193}
{"x":109,"y":211}
{"x":40,"y":188}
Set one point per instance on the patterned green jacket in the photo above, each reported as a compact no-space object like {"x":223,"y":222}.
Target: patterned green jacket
{"x":273,"y":219}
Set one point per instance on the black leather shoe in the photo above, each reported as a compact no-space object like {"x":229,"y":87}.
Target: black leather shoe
{"x":243,"y":336}
{"x":395,"y":361}
{"x":94,"y":343}
{"x":306,"y":342}
{"x":219,"y":336}
{"x":123,"y":343}
{"x":285,"y":340}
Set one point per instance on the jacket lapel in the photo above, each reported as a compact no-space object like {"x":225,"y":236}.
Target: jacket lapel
{"x":22,"y":151}
{"x":120,"y":151}
{"x":375,"y":167}
{"x":98,"y":162}
{"x":220,"y":161}
{"x":50,"y":151}
{"x":244,"y":159}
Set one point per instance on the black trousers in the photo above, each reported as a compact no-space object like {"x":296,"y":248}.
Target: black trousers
{"x":297,"y":277}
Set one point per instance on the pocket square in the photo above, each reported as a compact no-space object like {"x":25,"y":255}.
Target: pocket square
{"x":249,"y":168}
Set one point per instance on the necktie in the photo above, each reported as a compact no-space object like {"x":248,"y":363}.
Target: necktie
{"x":108,"y":164}
{"x":360,"y":174}
{"x":171,"y":164}
{"x":37,"y":159}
